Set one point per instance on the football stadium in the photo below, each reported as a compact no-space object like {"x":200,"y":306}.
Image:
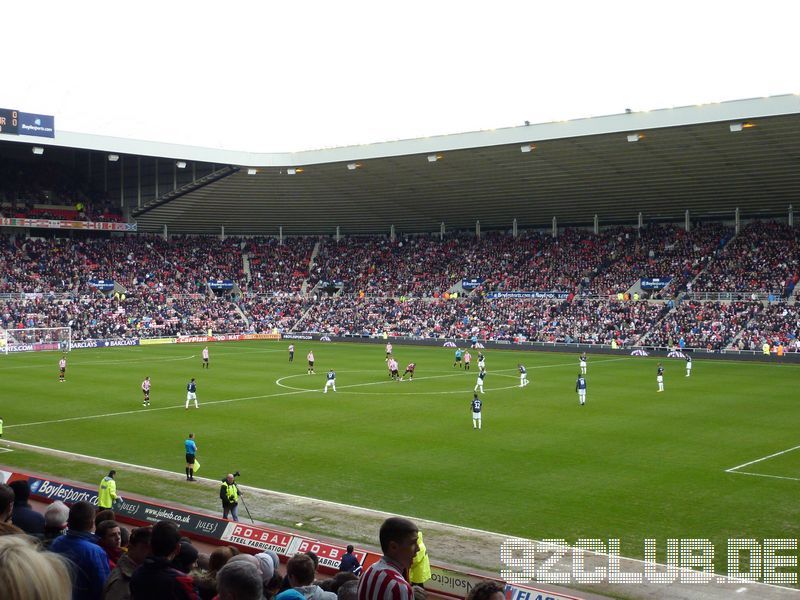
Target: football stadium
{"x":567,"y":352}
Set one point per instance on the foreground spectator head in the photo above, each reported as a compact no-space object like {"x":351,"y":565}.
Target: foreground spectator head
{"x":81,"y":517}
{"x":22,"y":490}
{"x":186,"y":560}
{"x":239,"y":580}
{"x":109,"y":535}
{"x":139,"y":544}
{"x":27,"y":574}
{"x":220,"y":557}
{"x":23,"y":516}
{"x":269,"y":564}
{"x":486,"y":590}
{"x":348,"y":590}
{"x":300,"y":570}
{"x":6,"y":502}
{"x":165,"y":540}
{"x":104,"y":515}
{"x":398,"y":538}
{"x":55,"y":516}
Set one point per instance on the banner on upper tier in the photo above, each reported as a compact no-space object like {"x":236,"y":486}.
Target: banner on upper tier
{"x":533,"y":295}
{"x":66,"y":224}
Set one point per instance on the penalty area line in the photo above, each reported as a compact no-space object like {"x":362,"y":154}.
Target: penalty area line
{"x":758,"y":460}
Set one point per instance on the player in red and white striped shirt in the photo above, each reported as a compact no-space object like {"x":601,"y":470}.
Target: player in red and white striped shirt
{"x":384,"y":580}
{"x":146,"y":390}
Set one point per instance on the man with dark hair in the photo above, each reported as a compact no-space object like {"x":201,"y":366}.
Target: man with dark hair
{"x":109,"y":538}
{"x":349,"y":562}
{"x":190,"y":446}
{"x":301,"y":570}
{"x":23,"y":516}
{"x":90,"y":560}
{"x":156,"y":579}
{"x":384,"y":580}
{"x":6,"y":503}
{"x":117,"y":586}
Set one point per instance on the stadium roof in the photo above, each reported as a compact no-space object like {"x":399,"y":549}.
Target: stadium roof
{"x":708,"y":159}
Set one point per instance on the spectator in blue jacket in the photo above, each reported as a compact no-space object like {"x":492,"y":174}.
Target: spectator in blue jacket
{"x":89,"y":561}
{"x":350,"y":563}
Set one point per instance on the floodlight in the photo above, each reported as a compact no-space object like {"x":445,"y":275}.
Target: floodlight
{"x":37,"y":150}
{"x":252,"y":171}
{"x":434,"y":157}
{"x":527,"y":148}
{"x":181,"y":164}
{"x":634,"y":137}
{"x":113,"y":157}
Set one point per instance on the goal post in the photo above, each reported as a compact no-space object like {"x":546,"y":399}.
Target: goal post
{"x":36,"y":339}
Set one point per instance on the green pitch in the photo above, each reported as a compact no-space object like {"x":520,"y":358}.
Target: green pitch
{"x":631,"y":464}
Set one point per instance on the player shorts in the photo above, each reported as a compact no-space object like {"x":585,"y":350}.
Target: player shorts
{"x":146,"y":393}
{"x":476,"y":416}
{"x":481,"y":364}
{"x":394,"y":372}
{"x":458,"y":359}
{"x":191,"y":395}
{"x":479,"y":382}
{"x":581,"y":393}
{"x":583,"y":364}
{"x":205,"y":360}
{"x":660,"y":379}
{"x":62,"y":371}
{"x":311,"y":363}
{"x":190,"y":459}
{"x":330,"y":382}
{"x":688,"y":366}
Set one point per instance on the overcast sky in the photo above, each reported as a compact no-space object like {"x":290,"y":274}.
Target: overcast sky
{"x":284,"y":76}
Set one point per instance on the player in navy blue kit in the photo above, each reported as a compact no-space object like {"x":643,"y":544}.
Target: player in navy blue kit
{"x":191,"y":393}
{"x":523,"y":375}
{"x":580,"y":387}
{"x":476,"y":411}
{"x":660,"y":378}
{"x":479,"y":385}
{"x":331,"y":381}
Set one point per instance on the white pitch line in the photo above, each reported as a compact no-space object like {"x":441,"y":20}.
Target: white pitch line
{"x":148,"y":410}
{"x":763,"y":475}
{"x":758,"y":460}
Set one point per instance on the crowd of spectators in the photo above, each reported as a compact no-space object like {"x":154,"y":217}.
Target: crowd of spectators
{"x":764,"y":257}
{"x":400,"y":287}
{"x":275,"y":266}
{"x":709,"y":325}
{"x":86,"y":554}
{"x":773,"y":324}
{"x":659,"y":251}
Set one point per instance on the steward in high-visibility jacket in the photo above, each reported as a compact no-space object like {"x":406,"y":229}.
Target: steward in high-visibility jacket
{"x":229,"y":494}
{"x":107,"y":492}
{"x":420,"y":570}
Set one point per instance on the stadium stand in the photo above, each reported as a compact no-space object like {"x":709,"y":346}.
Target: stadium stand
{"x":404,"y":287}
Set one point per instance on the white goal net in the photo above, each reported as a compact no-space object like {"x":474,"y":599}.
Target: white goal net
{"x":36,"y":339}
